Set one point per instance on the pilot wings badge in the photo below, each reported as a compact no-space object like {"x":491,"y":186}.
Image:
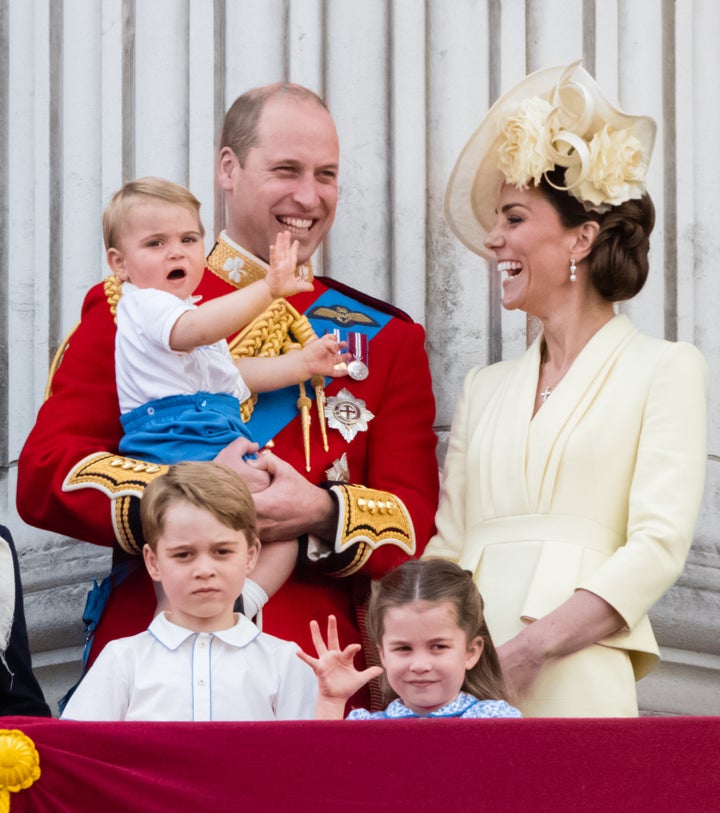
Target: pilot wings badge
{"x":340,"y":315}
{"x":347,"y":414}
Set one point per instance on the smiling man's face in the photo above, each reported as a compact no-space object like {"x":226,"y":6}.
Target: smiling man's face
{"x":160,"y":246}
{"x":288,"y":181}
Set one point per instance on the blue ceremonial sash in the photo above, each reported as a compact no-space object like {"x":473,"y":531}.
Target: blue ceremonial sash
{"x":333,"y":310}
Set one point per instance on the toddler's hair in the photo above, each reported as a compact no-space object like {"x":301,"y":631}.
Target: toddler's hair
{"x":142,"y":190}
{"x":204,"y":484}
{"x":437,"y":580}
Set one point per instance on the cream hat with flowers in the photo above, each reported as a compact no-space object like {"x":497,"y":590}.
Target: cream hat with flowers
{"x":555,"y":116}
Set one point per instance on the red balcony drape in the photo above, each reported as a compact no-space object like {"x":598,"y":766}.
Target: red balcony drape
{"x":650,"y":764}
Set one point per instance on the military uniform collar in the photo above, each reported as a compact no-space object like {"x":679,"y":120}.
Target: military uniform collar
{"x":238,"y":267}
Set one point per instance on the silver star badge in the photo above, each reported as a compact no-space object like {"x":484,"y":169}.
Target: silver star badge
{"x":347,"y":414}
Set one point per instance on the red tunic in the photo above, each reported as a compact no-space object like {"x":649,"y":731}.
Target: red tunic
{"x":81,"y":418}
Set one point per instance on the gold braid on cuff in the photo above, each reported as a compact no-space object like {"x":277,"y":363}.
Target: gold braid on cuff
{"x":368,"y":519}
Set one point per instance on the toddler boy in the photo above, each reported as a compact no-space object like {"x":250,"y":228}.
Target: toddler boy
{"x":179,"y":388}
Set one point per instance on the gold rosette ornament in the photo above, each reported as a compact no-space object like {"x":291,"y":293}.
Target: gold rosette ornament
{"x":19,"y":764}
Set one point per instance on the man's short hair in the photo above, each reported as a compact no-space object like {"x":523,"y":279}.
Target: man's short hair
{"x":240,"y":128}
{"x":207,"y":485}
{"x":142,"y":190}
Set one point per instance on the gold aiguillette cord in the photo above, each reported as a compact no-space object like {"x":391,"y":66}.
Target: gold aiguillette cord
{"x":303,"y":404}
{"x":318,"y":384}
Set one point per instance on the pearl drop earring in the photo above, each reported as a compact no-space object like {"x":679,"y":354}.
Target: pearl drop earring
{"x":572,"y":270}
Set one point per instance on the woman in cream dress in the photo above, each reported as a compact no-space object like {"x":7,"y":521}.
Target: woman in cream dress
{"x":574,"y":474}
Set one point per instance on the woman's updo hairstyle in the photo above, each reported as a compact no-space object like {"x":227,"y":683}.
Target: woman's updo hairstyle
{"x":618,"y":261}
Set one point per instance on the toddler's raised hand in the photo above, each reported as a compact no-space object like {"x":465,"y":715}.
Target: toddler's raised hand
{"x":281,"y":277}
{"x":325,"y":356}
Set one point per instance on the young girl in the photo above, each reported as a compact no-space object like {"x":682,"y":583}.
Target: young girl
{"x":427,"y":620}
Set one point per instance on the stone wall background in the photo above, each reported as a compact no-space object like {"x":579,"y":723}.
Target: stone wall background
{"x":94,"y":92}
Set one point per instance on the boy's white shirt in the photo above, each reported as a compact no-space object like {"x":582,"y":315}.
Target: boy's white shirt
{"x":147,"y":368}
{"x":174,"y":674}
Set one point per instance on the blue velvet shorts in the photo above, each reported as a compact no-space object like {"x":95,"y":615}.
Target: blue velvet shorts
{"x":182,"y":427}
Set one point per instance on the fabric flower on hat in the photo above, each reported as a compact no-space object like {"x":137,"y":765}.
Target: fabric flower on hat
{"x":523,"y":157}
{"x":616,"y":170}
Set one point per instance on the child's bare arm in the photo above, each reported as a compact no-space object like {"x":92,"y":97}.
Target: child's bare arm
{"x":275,"y":564}
{"x":337,"y":677}
{"x":221,"y":317}
{"x":323,"y":357}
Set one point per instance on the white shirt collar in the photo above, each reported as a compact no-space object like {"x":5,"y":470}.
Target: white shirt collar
{"x":172,"y":636}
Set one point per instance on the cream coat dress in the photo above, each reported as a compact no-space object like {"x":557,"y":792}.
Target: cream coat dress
{"x":599,"y":490}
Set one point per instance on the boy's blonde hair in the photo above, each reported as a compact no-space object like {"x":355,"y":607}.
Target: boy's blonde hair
{"x":139,"y":191}
{"x":204,"y":484}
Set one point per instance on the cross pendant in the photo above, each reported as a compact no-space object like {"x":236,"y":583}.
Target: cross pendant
{"x":545,"y":393}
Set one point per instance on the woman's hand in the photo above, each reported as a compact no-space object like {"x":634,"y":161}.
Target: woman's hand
{"x":582,"y":620}
{"x":338,"y":679}
{"x":520,"y":667}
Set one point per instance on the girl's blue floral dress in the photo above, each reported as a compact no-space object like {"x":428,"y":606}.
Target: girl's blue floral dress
{"x":464,"y":705}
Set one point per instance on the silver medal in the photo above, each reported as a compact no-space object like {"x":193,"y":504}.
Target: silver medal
{"x":357,"y":370}
{"x":358,"y":347}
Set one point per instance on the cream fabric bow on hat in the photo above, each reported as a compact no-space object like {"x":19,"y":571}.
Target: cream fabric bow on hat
{"x":554,"y":117}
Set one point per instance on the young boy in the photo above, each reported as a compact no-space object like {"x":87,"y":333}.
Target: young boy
{"x":198,"y":660}
{"x":179,"y":388}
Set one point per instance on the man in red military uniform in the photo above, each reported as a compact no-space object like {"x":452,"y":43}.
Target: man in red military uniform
{"x":374,"y":452}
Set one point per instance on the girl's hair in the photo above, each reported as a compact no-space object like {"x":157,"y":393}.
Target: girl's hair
{"x":438,"y":580}
{"x":618,"y":261}
{"x":142,"y":190}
